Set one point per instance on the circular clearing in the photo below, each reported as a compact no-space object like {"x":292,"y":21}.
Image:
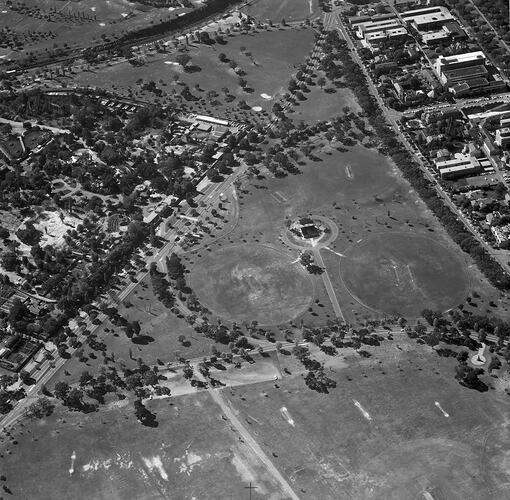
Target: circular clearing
{"x":398,"y":273}
{"x":252,"y":282}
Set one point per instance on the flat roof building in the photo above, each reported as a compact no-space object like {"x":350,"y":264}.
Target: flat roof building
{"x":503,"y":137}
{"x":461,"y":165}
{"x":429,"y":18}
{"x":457,"y":61}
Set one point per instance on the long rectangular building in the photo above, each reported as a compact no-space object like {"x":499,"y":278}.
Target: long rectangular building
{"x":429,"y":18}
{"x":468,"y":59}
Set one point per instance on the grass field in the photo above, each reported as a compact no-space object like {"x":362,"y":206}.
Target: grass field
{"x":189,"y":455}
{"x":320,"y":105}
{"x":401,"y":447}
{"x":276,"y":10}
{"x":267,"y":72}
{"x":252,"y":282}
{"x":378,"y":435}
{"x":160,"y":329}
{"x":76,"y":23}
{"x":391,"y":272}
{"x":362,"y":193}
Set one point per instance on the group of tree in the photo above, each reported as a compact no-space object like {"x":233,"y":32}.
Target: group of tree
{"x":356,"y":80}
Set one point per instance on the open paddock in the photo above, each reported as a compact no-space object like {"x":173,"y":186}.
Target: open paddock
{"x":267,"y":72}
{"x":276,"y":10}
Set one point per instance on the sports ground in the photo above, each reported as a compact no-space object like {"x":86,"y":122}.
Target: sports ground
{"x":390,"y":256}
{"x":252,"y":281}
{"x":266,"y":72}
{"x":397,"y":426}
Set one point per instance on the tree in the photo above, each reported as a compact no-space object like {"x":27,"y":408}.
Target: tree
{"x":188,"y":372}
{"x":61,"y":390}
{"x":43,"y":407}
{"x":136,"y":327}
{"x":85,"y":378}
{"x":143,"y":415}
{"x":174,"y":267}
{"x":150,"y":378}
{"x":321,"y":81}
{"x":5,"y":402}
{"x":183,"y":59}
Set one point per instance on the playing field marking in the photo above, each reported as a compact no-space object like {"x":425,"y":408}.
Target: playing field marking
{"x":337,"y":253}
{"x":73,"y":458}
{"x":287,"y":416}
{"x":348,"y":171}
{"x":441,"y":409}
{"x":362,"y":410}
{"x":279,"y":197}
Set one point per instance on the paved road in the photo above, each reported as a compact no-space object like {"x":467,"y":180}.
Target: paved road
{"x":501,"y":259}
{"x":48,"y":368}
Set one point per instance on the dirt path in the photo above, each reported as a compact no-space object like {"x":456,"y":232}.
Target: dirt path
{"x":328,"y":285}
{"x":249,"y":440}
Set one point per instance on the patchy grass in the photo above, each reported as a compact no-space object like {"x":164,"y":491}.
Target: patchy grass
{"x":378,"y":434}
{"x":329,"y":449}
{"x":362,"y":193}
{"x":111,"y":19}
{"x":267,"y":72}
{"x":254,"y":282}
{"x":191,"y":454}
{"x":276,"y":10}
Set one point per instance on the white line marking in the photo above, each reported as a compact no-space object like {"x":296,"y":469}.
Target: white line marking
{"x":338,"y":253}
{"x":362,"y":410}
{"x":73,"y":458}
{"x":442,"y":411}
{"x":287,"y":416}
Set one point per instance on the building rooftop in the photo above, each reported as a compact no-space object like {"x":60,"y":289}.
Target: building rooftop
{"x":458,"y":58}
{"x":434,"y":35}
{"x":423,"y":11}
{"x":469,"y":72}
{"x":431,"y":18}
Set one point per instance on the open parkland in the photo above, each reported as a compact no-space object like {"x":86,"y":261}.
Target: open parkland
{"x":396,"y":426}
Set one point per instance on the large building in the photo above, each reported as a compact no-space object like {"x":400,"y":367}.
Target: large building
{"x":374,"y":30}
{"x":503,"y":137}
{"x":462,"y":165}
{"x":428,"y":19}
{"x":469,"y":73}
{"x":467,"y":60}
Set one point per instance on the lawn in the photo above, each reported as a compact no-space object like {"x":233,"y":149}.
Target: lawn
{"x":379,"y":434}
{"x":276,"y":10}
{"x":329,"y":449}
{"x":267,"y":72}
{"x":391,"y":272}
{"x":79,"y":22}
{"x":191,"y":454}
{"x":381,"y":224}
{"x":252,"y":282}
{"x":320,"y":105}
